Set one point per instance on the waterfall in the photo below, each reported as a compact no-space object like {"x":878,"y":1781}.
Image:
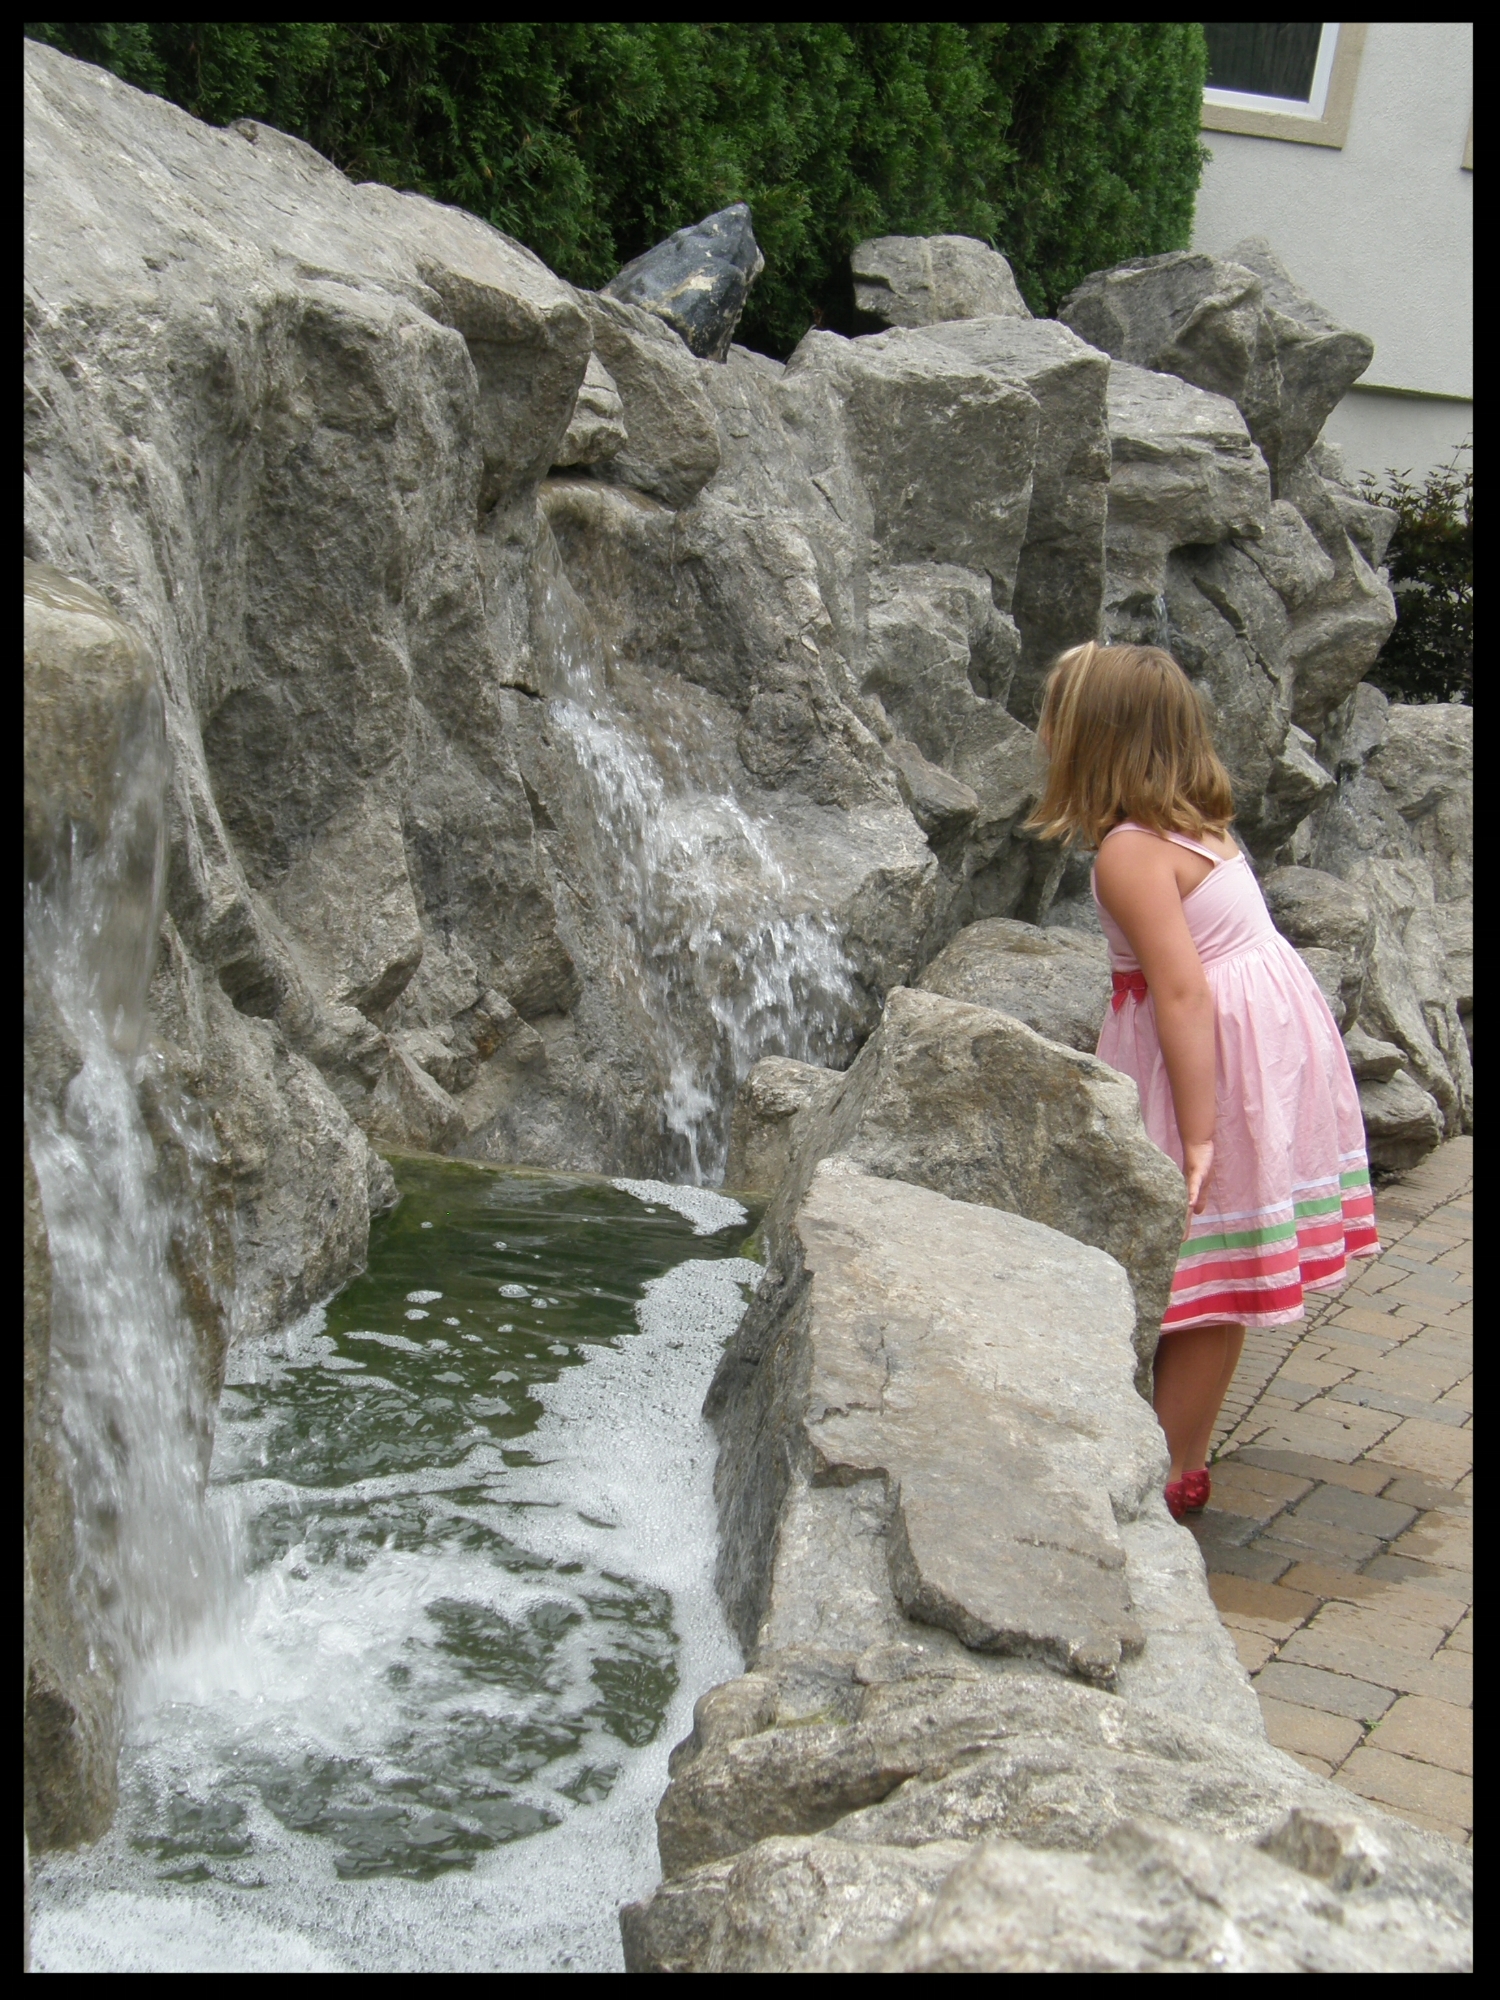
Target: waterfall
{"x":703,"y":922}
{"x":134,"y":1410}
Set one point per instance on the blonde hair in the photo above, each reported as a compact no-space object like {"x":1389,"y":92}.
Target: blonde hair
{"x":1126,"y":738}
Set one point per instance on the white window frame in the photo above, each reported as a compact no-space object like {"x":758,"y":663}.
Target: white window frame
{"x":1322,"y":119}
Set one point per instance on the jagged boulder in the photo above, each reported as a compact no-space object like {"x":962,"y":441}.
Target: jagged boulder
{"x":1056,"y":981}
{"x":596,"y":430}
{"x":1238,"y":326}
{"x":889,"y":1776}
{"x":670,"y":447}
{"x":921,"y":280}
{"x":697,"y":281}
{"x":771,"y":1110}
{"x":980,"y":1107}
{"x":1425,"y":762}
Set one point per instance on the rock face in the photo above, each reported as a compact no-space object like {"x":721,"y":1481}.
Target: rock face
{"x":921,"y":280}
{"x":560,"y":708}
{"x":698,"y":280}
{"x":1056,"y":981}
{"x":978,"y":1106}
{"x":986,"y":1726}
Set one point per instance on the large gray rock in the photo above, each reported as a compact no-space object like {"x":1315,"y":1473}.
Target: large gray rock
{"x":771,"y":1111}
{"x":921,"y":280}
{"x":883,"y":1368}
{"x":1425,"y":761}
{"x":1325,"y":917}
{"x":697,"y":281}
{"x":596,"y":431}
{"x":1183,"y":470}
{"x":980,"y":1107}
{"x":671,"y":443}
{"x":1056,"y":981}
{"x":1403,"y":1122}
{"x":861,"y":1796}
{"x":1238,"y":326}
{"x":1059,"y":591}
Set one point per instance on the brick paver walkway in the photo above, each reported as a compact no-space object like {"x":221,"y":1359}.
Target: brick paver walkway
{"x":1339,"y":1540}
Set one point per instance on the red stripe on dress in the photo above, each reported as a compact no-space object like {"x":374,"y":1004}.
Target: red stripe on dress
{"x":1230,"y":1302}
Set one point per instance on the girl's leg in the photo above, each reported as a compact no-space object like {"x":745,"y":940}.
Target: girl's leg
{"x":1193,"y":1371}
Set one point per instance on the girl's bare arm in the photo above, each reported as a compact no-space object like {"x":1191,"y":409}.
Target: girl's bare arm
{"x":1138,"y":884}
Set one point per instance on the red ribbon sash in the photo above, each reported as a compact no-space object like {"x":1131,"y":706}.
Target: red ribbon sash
{"x":1130,"y":985}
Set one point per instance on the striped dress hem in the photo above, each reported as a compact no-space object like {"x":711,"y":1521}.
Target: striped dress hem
{"x":1255,"y":1271}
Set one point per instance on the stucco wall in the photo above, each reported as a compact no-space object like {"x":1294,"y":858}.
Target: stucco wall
{"x":1379,"y":232}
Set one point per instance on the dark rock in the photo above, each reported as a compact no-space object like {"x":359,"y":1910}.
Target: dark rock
{"x":698,"y":280}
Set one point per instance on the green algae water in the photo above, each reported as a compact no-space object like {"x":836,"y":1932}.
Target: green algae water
{"x":472,"y":1498}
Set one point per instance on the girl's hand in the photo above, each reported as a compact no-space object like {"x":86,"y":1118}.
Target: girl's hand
{"x":1197,"y":1167}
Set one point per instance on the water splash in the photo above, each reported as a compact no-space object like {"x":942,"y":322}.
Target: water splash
{"x":704,"y":925}
{"x":135,"y":1410}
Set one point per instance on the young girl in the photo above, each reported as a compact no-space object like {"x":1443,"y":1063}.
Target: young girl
{"x":1240,"y":1066}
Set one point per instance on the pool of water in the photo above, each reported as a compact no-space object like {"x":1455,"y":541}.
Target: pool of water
{"x":473,"y":1502}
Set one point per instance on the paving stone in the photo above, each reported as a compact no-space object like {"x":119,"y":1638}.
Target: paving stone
{"x":1313,"y":1764}
{"x":1309,"y":1732}
{"x":1276,"y":1609}
{"x":1315,"y":1687}
{"x":1402,"y":1781}
{"x":1306,"y":1465}
{"x":1461,"y":1639}
{"x":1254,"y":1648}
{"x":1437,"y":1450}
{"x":1362,"y":1659}
{"x":1361,"y":1326}
{"x":1254,"y":1492}
{"x":1345,"y":1546}
{"x":1332,"y":1430}
{"x":1418,"y":1493}
{"x":1217,"y":1528}
{"x":1400,"y":1406}
{"x":1449,"y":1677}
{"x":1364,"y":1513}
{"x":1324,"y":1580}
{"x":1382,"y":1626}
{"x":1260,"y":1565}
{"x":1401,"y":1569}
{"x":1433,"y":1732}
{"x":1440,"y":1537}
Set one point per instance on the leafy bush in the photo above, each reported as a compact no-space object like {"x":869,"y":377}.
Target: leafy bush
{"x":1430,"y":655}
{"x":1068,"y":145}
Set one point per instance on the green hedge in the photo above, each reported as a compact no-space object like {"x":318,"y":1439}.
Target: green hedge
{"x":1068,"y":145}
{"x":1430,"y":655}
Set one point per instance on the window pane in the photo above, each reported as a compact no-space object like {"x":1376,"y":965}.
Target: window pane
{"x":1268,"y":58}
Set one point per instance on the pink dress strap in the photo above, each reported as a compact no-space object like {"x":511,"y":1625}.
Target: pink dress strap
{"x":1179,"y":839}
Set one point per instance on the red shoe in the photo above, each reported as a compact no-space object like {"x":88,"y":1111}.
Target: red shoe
{"x":1196,"y":1488}
{"x":1176,"y":1498}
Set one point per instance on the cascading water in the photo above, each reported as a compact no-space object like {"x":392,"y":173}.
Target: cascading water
{"x":126,"y":1370}
{"x":705,"y":929}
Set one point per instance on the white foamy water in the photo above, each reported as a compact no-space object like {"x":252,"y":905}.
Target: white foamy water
{"x":704,"y":924}
{"x":617,"y":1506}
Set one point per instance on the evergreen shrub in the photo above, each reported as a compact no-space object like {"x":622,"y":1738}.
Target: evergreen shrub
{"x":1430,"y":655}
{"x":1067,"y":145}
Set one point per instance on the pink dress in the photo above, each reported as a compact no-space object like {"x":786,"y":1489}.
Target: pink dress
{"x":1289,"y":1199}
